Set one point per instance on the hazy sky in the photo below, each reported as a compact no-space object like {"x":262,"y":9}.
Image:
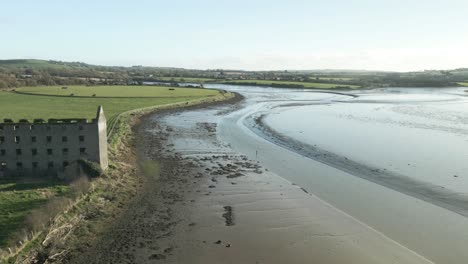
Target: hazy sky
{"x":255,"y":34}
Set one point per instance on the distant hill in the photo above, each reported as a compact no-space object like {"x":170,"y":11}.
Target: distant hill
{"x":341,"y":71}
{"x":41,"y":64}
{"x":29,"y":72}
{"x":16,"y":73}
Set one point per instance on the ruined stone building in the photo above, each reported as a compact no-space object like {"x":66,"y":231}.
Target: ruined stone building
{"x":53,"y":148}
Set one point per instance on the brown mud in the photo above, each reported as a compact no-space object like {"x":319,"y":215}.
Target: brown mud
{"x":202,"y":202}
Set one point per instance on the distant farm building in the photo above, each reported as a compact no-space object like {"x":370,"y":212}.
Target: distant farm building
{"x":51,"y":148}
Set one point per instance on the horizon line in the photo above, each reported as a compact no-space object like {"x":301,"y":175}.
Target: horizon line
{"x":245,"y":70}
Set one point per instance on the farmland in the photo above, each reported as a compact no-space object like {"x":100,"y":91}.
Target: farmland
{"x":20,"y":73}
{"x":61,"y":105}
{"x":309,"y":85}
{"x":18,"y":199}
{"x":337,"y":79}
{"x":117,"y":91}
{"x":186,"y":79}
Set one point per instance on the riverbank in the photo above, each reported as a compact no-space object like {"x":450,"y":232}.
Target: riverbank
{"x":295,"y":85}
{"x":203,"y":202}
{"x":83,"y":221}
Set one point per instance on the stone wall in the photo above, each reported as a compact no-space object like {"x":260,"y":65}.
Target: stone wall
{"x":38,"y":149}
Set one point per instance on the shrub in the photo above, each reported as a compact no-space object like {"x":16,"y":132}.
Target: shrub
{"x":92,"y":169}
{"x":39,"y":120}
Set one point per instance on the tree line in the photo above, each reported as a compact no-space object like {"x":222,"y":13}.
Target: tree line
{"x":17,"y":73}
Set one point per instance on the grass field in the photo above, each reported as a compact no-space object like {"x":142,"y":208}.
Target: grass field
{"x":463,"y":84}
{"x":305,"y":84}
{"x":18,"y":199}
{"x":117,"y":91}
{"x":341,"y":79}
{"x":19,"y":106}
{"x":186,"y":79}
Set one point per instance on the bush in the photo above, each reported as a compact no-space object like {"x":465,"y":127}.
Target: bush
{"x":39,"y":120}
{"x":92,"y":169}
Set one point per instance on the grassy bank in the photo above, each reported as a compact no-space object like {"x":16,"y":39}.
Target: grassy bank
{"x":288,"y":84}
{"x":84,"y":218}
{"x":18,"y":199}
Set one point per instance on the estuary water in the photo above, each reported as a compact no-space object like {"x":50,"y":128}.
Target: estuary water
{"x":395,"y":159}
{"x":425,"y":139}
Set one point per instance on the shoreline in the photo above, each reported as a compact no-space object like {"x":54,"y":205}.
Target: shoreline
{"x":124,"y":170}
{"x":205,"y":203}
{"x":292,"y":86}
{"x":153,"y":177}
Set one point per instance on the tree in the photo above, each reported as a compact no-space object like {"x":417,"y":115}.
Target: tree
{"x":3,"y":84}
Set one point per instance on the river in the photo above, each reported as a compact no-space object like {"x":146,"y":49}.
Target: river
{"x":395,"y":159}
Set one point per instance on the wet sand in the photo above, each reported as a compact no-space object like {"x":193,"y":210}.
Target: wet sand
{"x":421,"y":225}
{"x":448,"y":199}
{"x":208,"y":203}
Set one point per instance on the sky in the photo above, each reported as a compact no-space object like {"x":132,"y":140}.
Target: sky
{"x":396,"y":35}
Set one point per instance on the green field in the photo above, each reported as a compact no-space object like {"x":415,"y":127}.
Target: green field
{"x":117,"y":91}
{"x":18,"y":106}
{"x":18,"y":199}
{"x":186,"y":79}
{"x":341,"y":79}
{"x":287,"y":83}
{"x":463,"y":84}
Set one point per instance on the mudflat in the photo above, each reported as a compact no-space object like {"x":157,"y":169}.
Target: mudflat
{"x":203,"y":202}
